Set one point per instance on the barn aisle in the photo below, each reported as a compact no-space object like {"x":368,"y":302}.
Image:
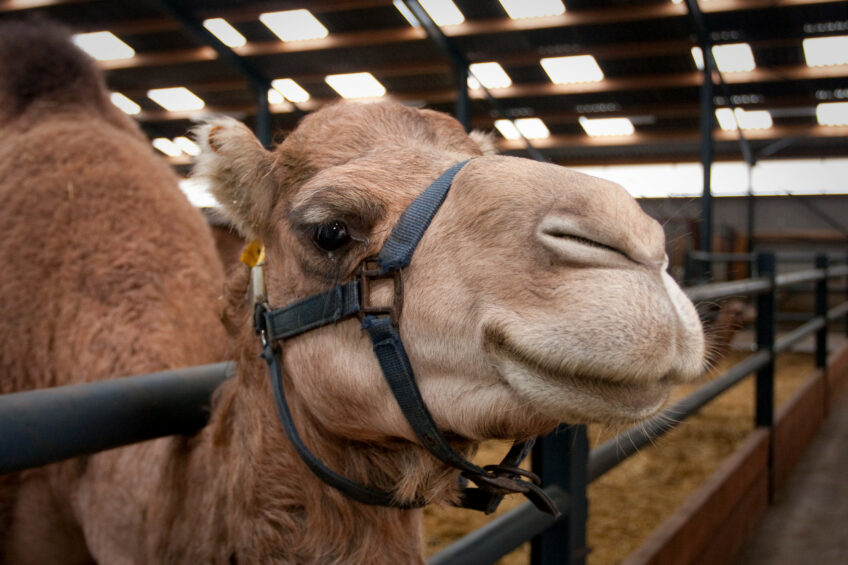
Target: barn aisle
{"x":807,"y":522}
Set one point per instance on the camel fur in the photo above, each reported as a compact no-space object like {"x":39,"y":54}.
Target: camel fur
{"x":107,"y":271}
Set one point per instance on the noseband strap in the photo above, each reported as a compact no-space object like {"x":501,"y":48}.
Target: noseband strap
{"x":353,"y":298}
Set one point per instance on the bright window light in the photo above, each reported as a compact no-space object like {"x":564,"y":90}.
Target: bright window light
{"x":821,"y":51}
{"x":698,"y":57}
{"x":292,"y":91}
{"x":507,"y":129}
{"x":274,"y":96}
{"x":443,"y":12}
{"x":516,"y":9}
{"x":832,"y":114}
{"x":221,"y":28}
{"x":734,"y":58}
{"x":167,"y":147}
{"x":607,"y":126}
{"x":187,"y":146}
{"x":491,"y":75}
{"x":577,"y":68}
{"x":532,"y":128}
{"x":356,"y":85}
{"x":103,"y":46}
{"x":747,"y":120}
{"x":406,"y":13}
{"x":177,"y":99}
{"x":294,"y":25}
{"x":124,"y":103}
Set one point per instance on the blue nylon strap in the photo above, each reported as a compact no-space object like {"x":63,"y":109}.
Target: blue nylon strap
{"x":396,"y":368}
{"x":361,"y":493}
{"x":398,"y":249}
{"x":318,"y":310}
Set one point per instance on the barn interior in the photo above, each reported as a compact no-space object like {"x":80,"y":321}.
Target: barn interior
{"x":726,"y":119}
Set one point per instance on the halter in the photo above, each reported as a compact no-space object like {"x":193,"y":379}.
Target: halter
{"x":381,"y":322}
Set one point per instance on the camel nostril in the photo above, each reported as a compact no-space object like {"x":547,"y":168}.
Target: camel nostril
{"x":568,"y":242}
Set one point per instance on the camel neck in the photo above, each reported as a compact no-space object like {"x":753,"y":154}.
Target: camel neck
{"x":276,"y":511}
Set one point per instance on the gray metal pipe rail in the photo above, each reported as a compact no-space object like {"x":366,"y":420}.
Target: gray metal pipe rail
{"x":783,"y":257}
{"x":724,"y":289}
{"x":503,"y":534}
{"x":43,"y":426}
{"x":809,"y":275}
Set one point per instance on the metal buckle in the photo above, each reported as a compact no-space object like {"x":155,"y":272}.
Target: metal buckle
{"x":369,"y":271}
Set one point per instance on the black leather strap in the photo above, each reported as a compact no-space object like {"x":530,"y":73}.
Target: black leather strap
{"x":361,"y":493}
{"x":398,"y":372}
{"x":318,"y":310}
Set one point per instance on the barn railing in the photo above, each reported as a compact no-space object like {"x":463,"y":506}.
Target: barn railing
{"x":49,"y":425}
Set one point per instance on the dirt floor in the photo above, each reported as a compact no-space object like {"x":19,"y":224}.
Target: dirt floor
{"x":627,"y":503}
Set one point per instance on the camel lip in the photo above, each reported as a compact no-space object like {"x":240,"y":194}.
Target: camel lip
{"x":623,"y":402}
{"x":632,"y":400}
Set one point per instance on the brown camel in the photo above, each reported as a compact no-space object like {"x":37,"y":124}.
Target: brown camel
{"x":537,"y":295}
{"x":107,"y":271}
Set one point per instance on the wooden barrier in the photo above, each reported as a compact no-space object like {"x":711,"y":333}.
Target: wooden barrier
{"x":712,"y":525}
{"x":836,"y":375}
{"x":718,"y":516}
{"x":796,"y":424}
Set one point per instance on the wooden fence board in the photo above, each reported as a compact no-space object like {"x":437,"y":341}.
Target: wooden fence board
{"x":734,"y":491}
{"x":796,"y":424}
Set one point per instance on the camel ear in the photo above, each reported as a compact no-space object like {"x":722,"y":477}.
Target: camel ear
{"x":486,"y":141}
{"x":239,"y":171}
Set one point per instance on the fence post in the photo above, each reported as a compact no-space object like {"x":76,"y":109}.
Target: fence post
{"x":561,"y":458}
{"x":821,"y":310}
{"x":765,"y":327}
{"x":765,"y":340}
{"x":846,"y":298}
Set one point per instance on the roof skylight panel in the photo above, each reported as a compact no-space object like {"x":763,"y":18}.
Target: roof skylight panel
{"x":221,"y":28}
{"x":572,"y":69}
{"x":125,"y":103}
{"x":176,"y":99}
{"x":747,"y":119}
{"x":103,"y":45}
{"x":517,"y":9}
{"x":294,"y":25}
{"x":734,"y":57}
{"x":443,"y":12}
{"x":531,"y":128}
{"x":291,"y":90}
{"x":603,"y":127}
{"x":491,"y":75}
{"x":356,"y":85}
{"x":822,"y":51}
{"x":832,"y":114}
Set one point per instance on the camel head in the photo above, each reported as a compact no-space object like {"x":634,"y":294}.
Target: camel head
{"x":538,"y":295}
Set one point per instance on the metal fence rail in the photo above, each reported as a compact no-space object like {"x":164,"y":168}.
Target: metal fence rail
{"x":43,"y":426}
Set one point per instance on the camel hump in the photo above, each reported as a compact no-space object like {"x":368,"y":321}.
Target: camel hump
{"x":40,"y":63}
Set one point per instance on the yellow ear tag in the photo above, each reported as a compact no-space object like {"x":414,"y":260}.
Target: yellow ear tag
{"x":253,"y":254}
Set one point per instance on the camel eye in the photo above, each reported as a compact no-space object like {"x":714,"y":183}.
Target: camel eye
{"x":331,"y":236}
